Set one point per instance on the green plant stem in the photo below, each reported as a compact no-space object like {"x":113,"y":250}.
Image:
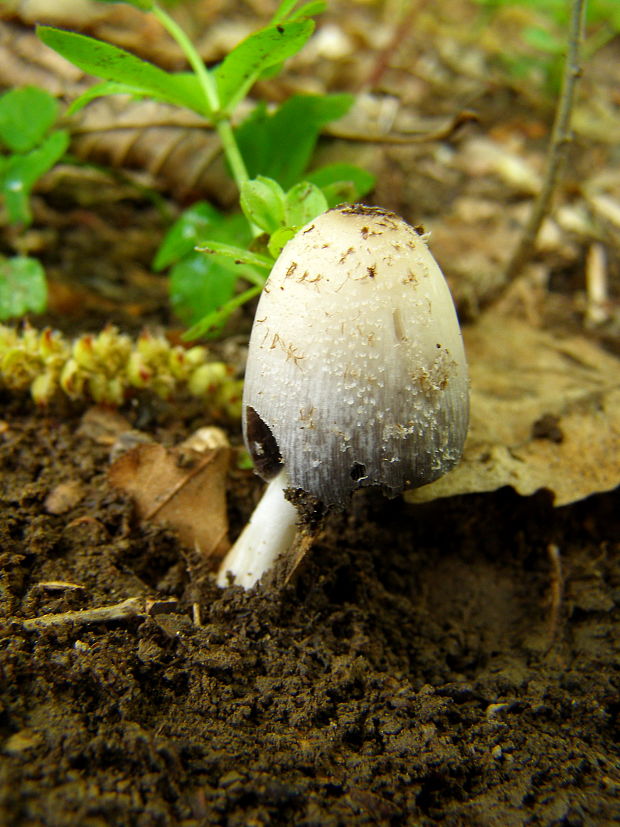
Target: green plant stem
{"x":560,"y":138}
{"x":209,"y":87}
{"x":229,"y":142}
{"x":195,"y":61}
{"x":212,"y":319}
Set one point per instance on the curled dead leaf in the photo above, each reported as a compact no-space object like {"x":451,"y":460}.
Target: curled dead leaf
{"x":545,"y":413}
{"x":180,"y":487}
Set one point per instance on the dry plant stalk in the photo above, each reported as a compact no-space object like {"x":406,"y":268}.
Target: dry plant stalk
{"x":560,"y":139}
{"x":132,"y":607}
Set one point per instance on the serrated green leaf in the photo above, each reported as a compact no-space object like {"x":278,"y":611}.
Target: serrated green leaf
{"x":280,"y":145}
{"x":26,"y":114}
{"x":187,"y":231}
{"x":240,"y":69}
{"x":263,"y":203}
{"x":23,"y":288}
{"x":21,"y":173}
{"x":111,"y":63}
{"x":303,"y":203}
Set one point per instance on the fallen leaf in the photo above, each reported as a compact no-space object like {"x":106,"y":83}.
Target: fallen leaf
{"x":172,"y":145}
{"x":545,"y":413}
{"x":180,"y":487}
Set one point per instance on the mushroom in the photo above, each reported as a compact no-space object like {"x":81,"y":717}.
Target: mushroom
{"x":356,"y":375}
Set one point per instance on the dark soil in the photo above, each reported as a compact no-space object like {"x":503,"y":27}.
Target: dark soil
{"x":409,"y":674}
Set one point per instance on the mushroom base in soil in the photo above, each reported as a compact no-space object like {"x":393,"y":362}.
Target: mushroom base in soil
{"x":356,"y":375}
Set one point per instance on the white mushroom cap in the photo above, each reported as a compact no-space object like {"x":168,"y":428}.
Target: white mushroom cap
{"x":356,"y":372}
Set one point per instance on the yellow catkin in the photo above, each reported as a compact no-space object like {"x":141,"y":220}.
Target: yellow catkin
{"x":106,"y":367}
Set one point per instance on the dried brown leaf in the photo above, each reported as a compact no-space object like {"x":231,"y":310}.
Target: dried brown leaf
{"x":180,"y":487}
{"x":545,"y":413}
{"x":173,"y":146}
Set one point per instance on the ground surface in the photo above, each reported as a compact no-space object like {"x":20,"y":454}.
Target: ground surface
{"x":418,"y":669}
{"x":406,"y":674}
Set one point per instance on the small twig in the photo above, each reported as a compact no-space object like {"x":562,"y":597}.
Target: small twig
{"x":400,"y":32}
{"x":132,"y":607}
{"x":560,"y":139}
{"x":557,"y":593}
{"x":596,"y":285}
{"x":58,"y":586}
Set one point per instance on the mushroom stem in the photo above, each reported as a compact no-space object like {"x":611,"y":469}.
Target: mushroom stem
{"x":268,"y":534}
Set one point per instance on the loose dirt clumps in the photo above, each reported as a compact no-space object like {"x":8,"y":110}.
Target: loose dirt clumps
{"x":407,"y":674}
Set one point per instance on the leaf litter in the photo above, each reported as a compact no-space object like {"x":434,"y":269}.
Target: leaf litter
{"x":183,"y":487}
{"x":520,"y":378}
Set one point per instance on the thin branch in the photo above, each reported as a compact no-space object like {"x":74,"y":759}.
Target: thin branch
{"x":560,"y":139}
{"x":132,"y":607}
{"x":399,"y":34}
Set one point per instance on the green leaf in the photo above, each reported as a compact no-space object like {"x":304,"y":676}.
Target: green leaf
{"x":22,"y":287}
{"x":285,"y":10}
{"x":342,"y":182}
{"x":101,"y":90}
{"x":21,"y":173}
{"x":280,"y":238}
{"x":217,"y":318}
{"x":263,"y":203}
{"x":186,"y":232}
{"x":25,"y":116}
{"x":111,"y":87}
{"x":303,"y":203}
{"x":310,"y":9}
{"x":280,"y":145}
{"x":200,"y":284}
{"x":237,"y":254}
{"x":111,"y":63}
{"x":240,"y":69}
{"x":143,"y":5}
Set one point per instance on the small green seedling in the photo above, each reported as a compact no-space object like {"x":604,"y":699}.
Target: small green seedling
{"x":267,"y":154}
{"x":29,"y":147}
